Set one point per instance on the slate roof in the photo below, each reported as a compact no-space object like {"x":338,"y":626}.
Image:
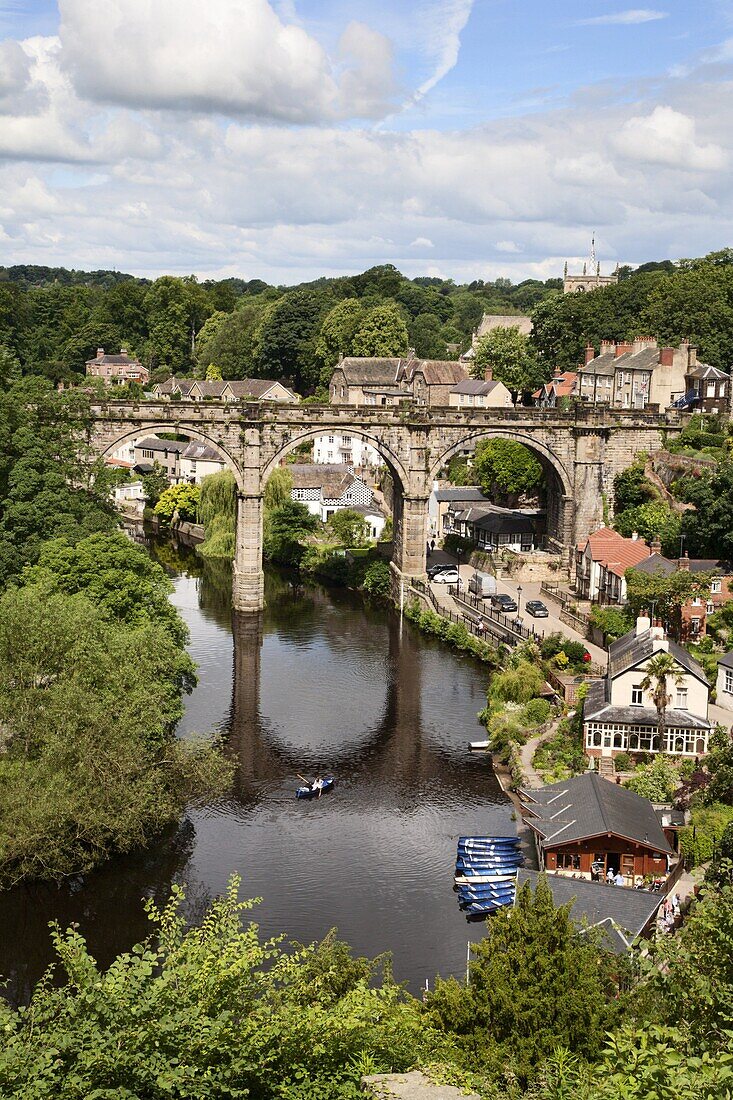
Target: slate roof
{"x":656,"y":565}
{"x":333,"y":479}
{"x":464,"y":493}
{"x":173,"y":384}
{"x":359,"y":370}
{"x":201,"y":452}
{"x":587,"y":806}
{"x":475,"y":386}
{"x":621,"y":912}
{"x":703,"y":370}
{"x":598,"y":708}
{"x":152,"y":443}
{"x":602,"y":364}
{"x":631,"y":649}
{"x":102,"y":358}
{"x":499,"y":522}
{"x":437,"y":372}
{"x":726,"y":660}
{"x":254,"y":387}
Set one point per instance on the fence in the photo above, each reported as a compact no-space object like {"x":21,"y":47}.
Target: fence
{"x":495,"y":618}
{"x":565,"y":598}
{"x":479,"y":624}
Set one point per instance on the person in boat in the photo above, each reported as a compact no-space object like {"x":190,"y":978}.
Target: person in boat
{"x":317,"y":786}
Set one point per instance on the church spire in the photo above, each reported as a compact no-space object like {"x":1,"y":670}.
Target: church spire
{"x":593,"y":251}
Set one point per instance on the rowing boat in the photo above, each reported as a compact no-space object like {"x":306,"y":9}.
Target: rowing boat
{"x":316,"y":788}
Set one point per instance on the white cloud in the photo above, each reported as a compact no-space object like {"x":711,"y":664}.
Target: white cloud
{"x":507,"y":246}
{"x":234,"y":57}
{"x":668,"y":137}
{"x":630,"y":17}
{"x":443,"y":23}
{"x":421,"y":242}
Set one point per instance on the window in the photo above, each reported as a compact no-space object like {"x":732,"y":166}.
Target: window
{"x":710,"y":607}
{"x":695,"y":624}
{"x":568,"y":862}
{"x":716,"y":586}
{"x":627,"y":378}
{"x":729,"y":681}
{"x":681,"y":702}
{"x":346,"y":440}
{"x":330,"y":439}
{"x":637,"y":696}
{"x":711,"y":389}
{"x":697,"y":602}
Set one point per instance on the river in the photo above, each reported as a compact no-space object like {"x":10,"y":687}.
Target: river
{"x":320,"y":682}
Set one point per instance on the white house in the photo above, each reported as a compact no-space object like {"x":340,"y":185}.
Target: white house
{"x":328,"y":488}
{"x":601,"y":562}
{"x":344,"y":448}
{"x":620,"y":716}
{"x":131,"y":496}
{"x":724,"y":685}
{"x":197,"y":462}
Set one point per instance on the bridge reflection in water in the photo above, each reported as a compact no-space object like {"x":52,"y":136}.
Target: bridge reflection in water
{"x":317,"y":681}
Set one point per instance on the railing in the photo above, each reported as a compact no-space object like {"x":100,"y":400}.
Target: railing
{"x":497,"y":618}
{"x":476,"y":627}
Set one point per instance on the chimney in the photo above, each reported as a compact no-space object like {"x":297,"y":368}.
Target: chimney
{"x":691,"y":356}
{"x":643,"y":622}
{"x":488,"y":374}
{"x":100,"y":353}
{"x":590,"y":352}
{"x":622,"y":349}
{"x":666,"y":357}
{"x":655,"y":545}
{"x":607,"y":347}
{"x":634,"y":536}
{"x":123,"y":351}
{"x":641,"y":343}
{"x":657,"y":634}
{"x":684,"y":562}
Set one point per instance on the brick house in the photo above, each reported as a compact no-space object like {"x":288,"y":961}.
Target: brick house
{"x":620,"y":716}
{"x":693,"y":613}
{"x":586,"y":826}
{"x":562,"y":384}
{"x":116,"y":370}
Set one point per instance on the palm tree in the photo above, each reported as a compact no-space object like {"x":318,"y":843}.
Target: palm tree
{"x":659,"y":669}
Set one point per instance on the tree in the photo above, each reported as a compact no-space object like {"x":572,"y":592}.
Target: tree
{"x":285,"y":527}
{"x":349,"y":527}
{"x":631,"y":488}
{"x":535,"y":984}
{"x":506,"y":470}
{"x":155,"y":483}
{"x":167,"y":307}
{"x":213,"y":373}
{"x":666,"y":594}
{"x":708,"y":530}
{"x":655,"y":519}
{"x":659,"y":670}
{"x":286,"y":338}
{"x":656,"y":781}
{"x":278,"y":488}
{"x":183,"y":499}
{"x":337,"y":334}
{"x":511,"y":356}
{"x":382,"y":333}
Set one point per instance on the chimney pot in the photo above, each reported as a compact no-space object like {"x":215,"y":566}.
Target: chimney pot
{"x":643,"y":622}
{"x":622,"y":349}
{"x":684,"y":562}
{"x":123,"y":351}
{"x":656,"y":546}
{"x":634,"y":536}
{"x":488,"y":374}
{"x":100,"y":352}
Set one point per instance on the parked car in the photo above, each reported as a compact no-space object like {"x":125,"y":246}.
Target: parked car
{"x":448,"y":576}
{"x":504,"y":603}
{"x":536,"y":608}
{"x":446,"y":567}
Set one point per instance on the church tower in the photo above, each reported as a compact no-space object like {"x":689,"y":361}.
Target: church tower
{"x":591,"y":279}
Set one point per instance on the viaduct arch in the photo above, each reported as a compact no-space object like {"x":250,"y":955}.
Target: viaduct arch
{"x":582,"y":450}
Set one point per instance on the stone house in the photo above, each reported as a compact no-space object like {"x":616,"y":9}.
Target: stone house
{"x":116,"y":370}
{"x":490,"y":321}
{"x":601,"y":562}
{"x":619,"y":716}
{"x":346,"y":449}
{"x":166,"y":452}
{"x":475,"y":393}
{"x":493,"y":528}
{"x":634,"y":375}
{"x":586,"y":826}
{"x":359,"y":380}
{"x":197,"y":462}
{"x":441,"y":499}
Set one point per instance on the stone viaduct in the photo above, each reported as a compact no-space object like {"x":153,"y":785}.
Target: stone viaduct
{"x":581,"y":452}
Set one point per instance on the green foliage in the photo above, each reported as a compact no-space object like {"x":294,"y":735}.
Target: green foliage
{"x":378,"y":580}
{"x":699,"y":839}
{"x":666,"y":594}
{"x":87,"y":706}
{"x":453,"y":544}
{"x":554,"y":644}
{"x":506,"y":470}
{"x":656,"y":781}
{"x":535,"y":984}
{"x":382,"y":332}
{"x":278,"y":488}
{"x":631,"y":488}
{"x":213,"y":1012}
{"x":287,"y":334}
{"x":708,"y":529}
{"x":118,"y":577}
{"x":183,"y":499}
{"x":536,"y":712}
{"x":519,"y":684}
{"x":652,"y":520}
{"x":561,"y":755}
{"x":613,"y":621}
{"x":217,"y":511}
{"x":512,"y":357}
{"x":622,"y":762}
{"x":337,"y":333}
{"x":459,"y":472}
{"x":213,"y":373}
{"x":155,"y":483}
{"x":285,"y":526}
{"x":455,"y":634}
{"x":349,"y":527}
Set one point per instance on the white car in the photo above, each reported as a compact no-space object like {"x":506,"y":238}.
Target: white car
{"x":449,"y":577}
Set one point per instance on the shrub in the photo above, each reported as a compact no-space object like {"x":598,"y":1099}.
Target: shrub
{"x":536,"y":712}
{"x":656,"y":781}
{"x":574,"y":654}
{"x":517,"y":685}
{"x":453,"y":543}
{"x":702,"y":836}
{"x":378,"y":580}
{"x":622,"y":762}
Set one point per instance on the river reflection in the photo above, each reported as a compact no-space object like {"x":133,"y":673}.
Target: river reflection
{"x":318,"y":682}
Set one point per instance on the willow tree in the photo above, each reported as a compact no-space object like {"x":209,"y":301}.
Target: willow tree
{"x":217,"y":512}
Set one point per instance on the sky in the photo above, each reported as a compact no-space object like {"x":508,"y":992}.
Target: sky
{"x":287,"y":139}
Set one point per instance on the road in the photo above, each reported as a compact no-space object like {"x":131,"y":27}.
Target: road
{"x":530,"y":591}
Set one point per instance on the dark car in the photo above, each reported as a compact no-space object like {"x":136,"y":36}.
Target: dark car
{"x":435,"y":569}
{"x":536,"y":608}
{"x":502,"y":602}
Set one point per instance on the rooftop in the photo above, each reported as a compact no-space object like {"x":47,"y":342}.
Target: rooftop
{"x":631,"y":649}
{"x":475,"y":386}
{"x":598,"y":708}
{"x":333,"y":479}
{"x":466,"y":493}
{"x":587,"y":806}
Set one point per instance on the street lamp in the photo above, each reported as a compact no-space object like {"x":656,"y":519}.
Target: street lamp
{"x":519,"y":599}
{"x":458,"y":567}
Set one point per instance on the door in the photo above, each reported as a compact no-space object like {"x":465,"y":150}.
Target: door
{"x":607,"y":746}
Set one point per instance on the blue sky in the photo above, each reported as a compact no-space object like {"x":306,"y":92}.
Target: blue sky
{"x":289,"y":138}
